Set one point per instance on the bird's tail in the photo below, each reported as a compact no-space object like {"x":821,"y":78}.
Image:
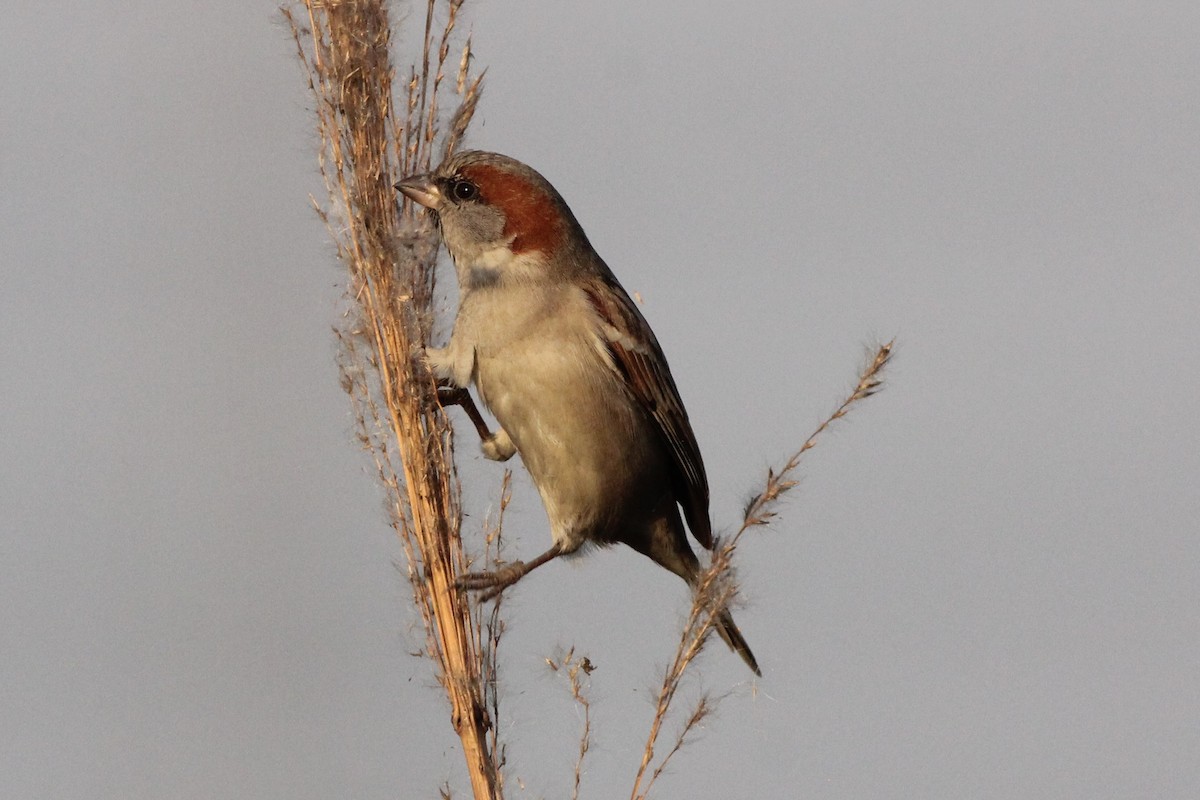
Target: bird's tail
{"x":737,"y":643}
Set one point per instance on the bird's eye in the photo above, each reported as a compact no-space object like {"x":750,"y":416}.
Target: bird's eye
{"x":463,"y":190}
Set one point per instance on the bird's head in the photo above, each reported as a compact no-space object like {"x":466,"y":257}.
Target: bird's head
{"x":500,"y":219}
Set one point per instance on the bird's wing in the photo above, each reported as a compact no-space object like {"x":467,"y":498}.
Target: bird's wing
{"x":635,"y":356}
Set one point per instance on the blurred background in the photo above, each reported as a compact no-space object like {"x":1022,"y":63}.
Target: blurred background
{"x":987,"y":583}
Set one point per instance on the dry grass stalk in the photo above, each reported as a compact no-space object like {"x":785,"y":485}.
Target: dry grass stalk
{"x":366,"y":145}
{"x":717,"y":587}
{"x":572,"y":666}
{"x":491,"y":624}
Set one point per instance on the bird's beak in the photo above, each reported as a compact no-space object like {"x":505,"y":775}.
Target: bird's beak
{"x":421,"y":189}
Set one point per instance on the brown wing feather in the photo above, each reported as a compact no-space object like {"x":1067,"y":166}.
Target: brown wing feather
{"x":636,"y":356}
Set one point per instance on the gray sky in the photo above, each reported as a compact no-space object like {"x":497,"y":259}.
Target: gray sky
{"x":987,"y":584}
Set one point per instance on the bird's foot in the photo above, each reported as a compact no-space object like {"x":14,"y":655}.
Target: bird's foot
{"x":494,"y":582}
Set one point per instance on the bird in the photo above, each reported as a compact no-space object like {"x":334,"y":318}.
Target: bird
{"x":570,"y":369}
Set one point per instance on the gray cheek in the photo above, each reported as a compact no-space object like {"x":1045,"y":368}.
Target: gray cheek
{"x":462,"y":250}
{"x":471,"y":230}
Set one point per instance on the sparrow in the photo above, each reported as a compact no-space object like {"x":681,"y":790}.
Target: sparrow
{"x":570,"y":369}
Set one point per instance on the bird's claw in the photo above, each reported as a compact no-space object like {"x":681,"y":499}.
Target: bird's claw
{"x":494,"y":582}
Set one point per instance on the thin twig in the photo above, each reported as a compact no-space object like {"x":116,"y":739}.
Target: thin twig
{"x":717,"y":589}
{"x":573,"y":667}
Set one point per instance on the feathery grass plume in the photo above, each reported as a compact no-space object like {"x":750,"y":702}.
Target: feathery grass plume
{"x":368,"y":141}
{"x":717,"y":587}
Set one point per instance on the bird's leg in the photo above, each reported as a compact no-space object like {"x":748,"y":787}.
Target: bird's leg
{"x":454,"y":396}
{"x":498,"y":580}
{"x":496,"y":446}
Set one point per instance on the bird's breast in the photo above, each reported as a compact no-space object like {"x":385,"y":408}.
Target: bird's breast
{"x":587,"y":445}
